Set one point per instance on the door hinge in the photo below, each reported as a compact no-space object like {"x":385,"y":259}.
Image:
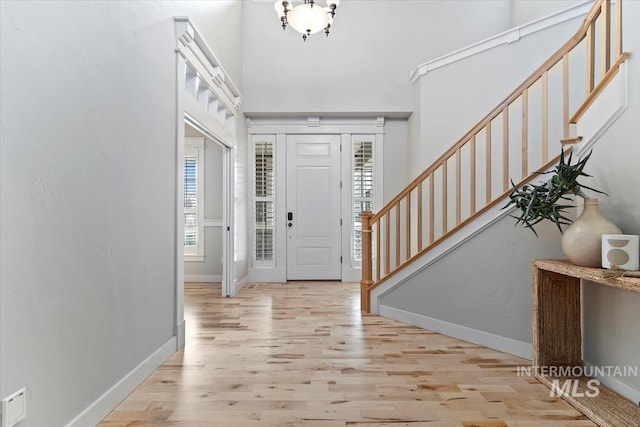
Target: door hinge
{"x":340,"y":260}
{"x":341,"y":185}
{"x":340,"y":147}
{"x":228,"y":228}
{"x":340,"y":222}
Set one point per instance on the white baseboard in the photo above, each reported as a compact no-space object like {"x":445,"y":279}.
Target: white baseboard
{"x":267,"y":275}
{"x":623,"y":389}
{"x":203,"y":278}
{"x":351,"y":274}
{"x":181,"y":333}
{"x":239,"y":284}
{"x":99,"y":409}
{"x":475,"y":336}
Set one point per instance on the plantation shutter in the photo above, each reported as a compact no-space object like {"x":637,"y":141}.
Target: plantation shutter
{"x":264,"y":200}
{"x":363,"y":190}
{"x":190,"y":204}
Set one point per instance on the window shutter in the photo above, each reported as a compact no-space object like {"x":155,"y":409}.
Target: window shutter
{"x":190,"y":203}
{"x":363,"y":191}
{"x":265,"y":201}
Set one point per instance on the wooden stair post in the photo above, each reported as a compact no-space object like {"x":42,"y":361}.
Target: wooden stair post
{"x":366,"y":281}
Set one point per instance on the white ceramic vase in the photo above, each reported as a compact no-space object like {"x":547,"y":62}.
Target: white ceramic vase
{"x":582,"y":241}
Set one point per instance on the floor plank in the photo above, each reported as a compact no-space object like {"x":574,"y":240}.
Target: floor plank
{"x":301,"y":354}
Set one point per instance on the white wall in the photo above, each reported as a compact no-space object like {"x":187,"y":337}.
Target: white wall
{"x":524,"y":11}
{"x":455,"y":97}
{"x":87,"y":201}
{"x":364,"y":64}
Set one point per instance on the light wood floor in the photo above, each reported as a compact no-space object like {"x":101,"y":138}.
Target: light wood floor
{"x":300,"y":354}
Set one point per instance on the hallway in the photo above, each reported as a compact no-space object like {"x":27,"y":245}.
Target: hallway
{"x":300,"y":354}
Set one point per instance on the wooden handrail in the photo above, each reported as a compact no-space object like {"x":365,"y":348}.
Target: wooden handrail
{"x":436,"y":242}
{"x":450,"y":162}
{"x":549,"y":63}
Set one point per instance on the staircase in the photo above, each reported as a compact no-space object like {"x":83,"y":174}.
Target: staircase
{"x":476,"y":173}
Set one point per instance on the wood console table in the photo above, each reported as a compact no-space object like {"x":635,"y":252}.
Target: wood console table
{"x":557,"y":336}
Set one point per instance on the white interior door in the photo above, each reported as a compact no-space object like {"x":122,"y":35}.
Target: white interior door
{"x":313,"y":207}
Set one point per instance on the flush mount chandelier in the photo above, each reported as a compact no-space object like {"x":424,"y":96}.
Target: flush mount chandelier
{"x":307,"y":18}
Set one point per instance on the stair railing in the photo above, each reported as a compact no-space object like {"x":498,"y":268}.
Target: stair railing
{"x":465,"y":181}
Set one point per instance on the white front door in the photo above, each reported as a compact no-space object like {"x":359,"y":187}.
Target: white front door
{"x":313,"y":207}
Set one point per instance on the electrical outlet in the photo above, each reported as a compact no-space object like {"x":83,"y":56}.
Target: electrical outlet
{"x":14,"y":408}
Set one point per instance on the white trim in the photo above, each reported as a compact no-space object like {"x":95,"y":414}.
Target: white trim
{"x":228,"y":219}
{"x":351,"y":274}
{"x":378,"y":175}
{"x":193,"y":258}
{"x":213,"y":223}
{"x":299,"y":126}
{"x":604,"y":111}
{"x":208,"y":101}
{"x":280,"y":228}
{"x":101,"y":407}
{"x":625,"y":390}
{"x":506,"y":37}
{"x":346,"y":178}
{"x":181,"y":333}
{"x":475,"y":336}
{"x":239,"y":284}
{"x":268,"y":275}
{"x":203,"y":278}
{"x":191,"y":43}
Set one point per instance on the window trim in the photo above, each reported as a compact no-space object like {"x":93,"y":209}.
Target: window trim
{"x":194,"y":147}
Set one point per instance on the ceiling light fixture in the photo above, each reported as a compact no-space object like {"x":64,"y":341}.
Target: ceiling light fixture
{"x":306,"y":18}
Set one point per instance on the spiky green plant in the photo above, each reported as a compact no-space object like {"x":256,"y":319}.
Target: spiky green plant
{"x":548,"y":200}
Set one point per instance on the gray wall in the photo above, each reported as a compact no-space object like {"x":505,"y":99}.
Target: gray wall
{"x":364,"y":64}
{"x":453,"y":98}
{"x":485,"y":284}
{"x":87,"y":198}
{"x":611,"y":316}
{"x":395,"y":173}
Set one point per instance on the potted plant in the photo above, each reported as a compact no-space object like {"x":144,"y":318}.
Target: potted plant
{"x":581,"y":241}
